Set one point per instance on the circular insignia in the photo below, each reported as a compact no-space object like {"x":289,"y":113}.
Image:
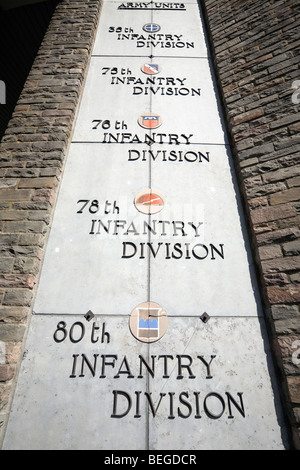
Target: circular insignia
{"x":151,"y":28}
{"x":150,"y":121}
{"x":149,"y":201}
{"x":150,"y":69}
{"x":148,"y":322}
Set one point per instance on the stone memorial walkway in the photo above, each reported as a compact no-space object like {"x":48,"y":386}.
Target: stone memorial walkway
{"x":147,"y":330}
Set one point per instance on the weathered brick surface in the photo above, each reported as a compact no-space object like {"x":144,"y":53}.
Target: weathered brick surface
{"x":33,"y":152}
{"x":255,"y":48}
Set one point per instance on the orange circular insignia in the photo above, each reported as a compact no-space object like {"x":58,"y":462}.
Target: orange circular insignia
{"x":149,"y":201}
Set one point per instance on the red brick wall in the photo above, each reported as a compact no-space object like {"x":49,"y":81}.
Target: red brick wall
{"x":255,"y":45}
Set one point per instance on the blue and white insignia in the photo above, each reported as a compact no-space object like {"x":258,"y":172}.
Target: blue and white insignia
{"x":151,"y":28}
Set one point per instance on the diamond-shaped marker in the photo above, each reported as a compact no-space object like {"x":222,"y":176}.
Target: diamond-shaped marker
{"x":89,"y":315}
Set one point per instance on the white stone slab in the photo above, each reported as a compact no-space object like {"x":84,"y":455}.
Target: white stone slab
{"x":121,"y":32}
{"x":240,"y":366}
{"x":127,"y":258}
{"x":107,"y":108}
{"x":55,"y":411}
{"x":203,"y":263}
{"x":83,"y":269}
{"x":59,"y":405}
{"x":117,"y":92}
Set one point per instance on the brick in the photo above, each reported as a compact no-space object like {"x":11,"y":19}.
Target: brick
{"x":6,"y":264}
{"x":293,"y":182}
{"x":258,"y":151}
{"x":14,"y":314}
{"x":272,"y":278}
{"x":57,"y":113}
{"x":287,"y":345}
{"x":5,"y":390}
{"x":15,"y":195}
{"x":32,"y":226}
{"x":264,"y":128}
{"x":248,"y":116}
{"x":291,"y":248}
{"x":12,"y":333}
{"x":281,"y":175}
{"x":272,"y":213}
{"x":31,"y":239}
{"x":17,"y":280}
{"x":270,"y":252}
{"x":284,"y":311}
{"x":294,"y":128}
{"x":290,"y":326}
{"x":6,"y":372}
{"x":249,"y":162}
{"x":296,"y":411}
{"x":279,"y":236}
{"x":37,"y":182}
{"x":27,"y":265}
{"x":284,"y":264}
{"x":265,"y":189}
{"x":294,"y":389}
{"x":45,"y":195}
{"x":8,"y":183}
{"x":282,"y":295}
{"x":13,"y":215}
{"x":290,"y":141}
{"x":47,"y":146}
{"x":21,"y":297}
{"x":285,"y":196}
{"x":12,"y":352}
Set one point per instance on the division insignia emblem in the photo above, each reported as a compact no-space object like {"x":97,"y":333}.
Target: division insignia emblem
{"x":151,"y":28}
{"x":150,"y":121}
{"x":149,"y":201}
{"x":150,"y":69}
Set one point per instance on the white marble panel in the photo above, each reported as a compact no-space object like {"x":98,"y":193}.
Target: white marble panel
{"x":202,"y":262}
{"x":108,"y":106}
{"x":83,"y":267}
{"x":115,"y":26}
{"x":64,"y":402}
{"x":121,"y":32}
{"x":53,"y":411}
{"x":117,"y":92}
{"x":239,"y":366}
